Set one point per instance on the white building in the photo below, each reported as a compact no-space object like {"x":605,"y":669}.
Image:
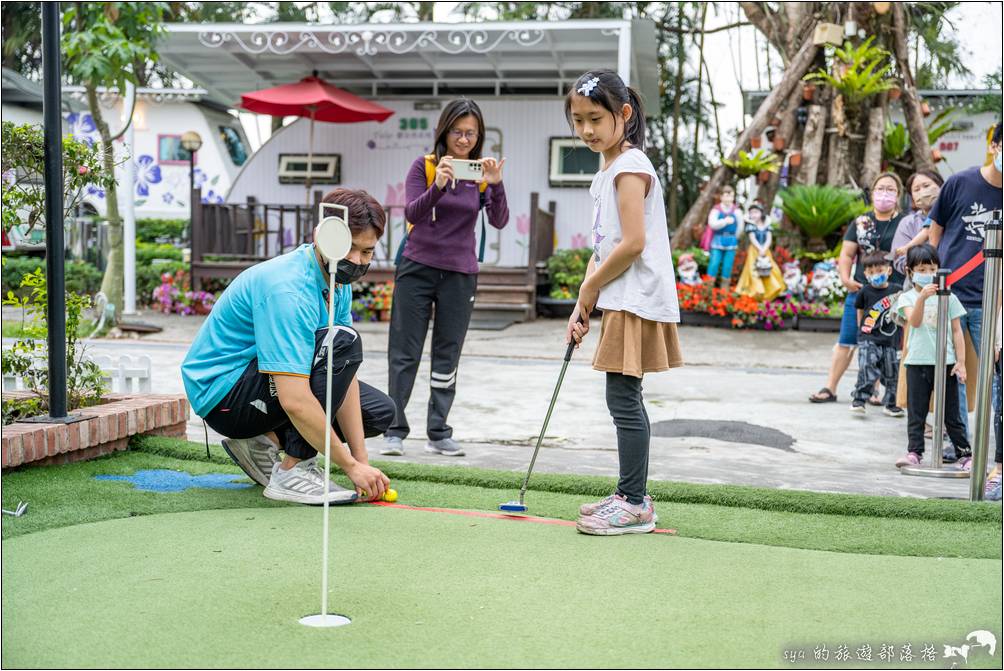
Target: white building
{"x":517,"y":72}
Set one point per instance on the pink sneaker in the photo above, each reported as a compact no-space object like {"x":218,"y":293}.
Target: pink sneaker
{"x":619,"y":517}
{"x":590,"y":508}
{"x":965,"y":464}
{"x":909,"y":459}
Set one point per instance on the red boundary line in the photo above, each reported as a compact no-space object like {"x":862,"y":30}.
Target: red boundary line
{"x":494,"y":516}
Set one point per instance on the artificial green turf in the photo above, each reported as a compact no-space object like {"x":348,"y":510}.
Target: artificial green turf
{"x":225,"y":589}
{"x":66,"y":495}
{"x":734,"y":496}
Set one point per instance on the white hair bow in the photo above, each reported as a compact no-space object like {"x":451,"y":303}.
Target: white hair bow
{"x":588,"y":87}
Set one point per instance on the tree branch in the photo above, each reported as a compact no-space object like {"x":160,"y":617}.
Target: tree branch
{"x":692,"y":31}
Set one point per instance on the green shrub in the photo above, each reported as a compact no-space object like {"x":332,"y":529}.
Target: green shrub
{"x":148,"y":230}
{"x":820,"y":210}
{"x":81,"y":277}
{"x":146,"y":252}
{"x":567,"y":268}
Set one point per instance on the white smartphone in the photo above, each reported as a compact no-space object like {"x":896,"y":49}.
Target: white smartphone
{"x":470,"y":170}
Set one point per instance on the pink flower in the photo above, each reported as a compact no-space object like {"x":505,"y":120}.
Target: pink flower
{"x":579,"y":240}
{"x":83,"y":170}
{"x":523,"y":224}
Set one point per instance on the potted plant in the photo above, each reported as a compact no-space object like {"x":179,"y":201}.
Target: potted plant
{"x":778,"y":143}
{"x":763,"y":176}
{"x":895,"y":92}
{"x":858,"y":72}
{"x":808,"y":91}
{"x":566,"y":269}
{"x":795,"y":159}
{"x":820,"y":210}
{"x":936,"y":154}
{"x":749,"y":164}
{"x":925,"y":108}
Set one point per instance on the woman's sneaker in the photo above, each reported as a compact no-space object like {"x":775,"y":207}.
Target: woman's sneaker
{"x":619,"y":517}
{"x":256,"y":456}
{"x":590,"y":508}
{"x":908,"y":459}
{"x":894,"y":411}
{"x":446,"y":447}
{"x":304,"y":483}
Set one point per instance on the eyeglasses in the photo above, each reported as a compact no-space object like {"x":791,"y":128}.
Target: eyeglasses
{"x":470,"y":134}
{"x":886,"y":189}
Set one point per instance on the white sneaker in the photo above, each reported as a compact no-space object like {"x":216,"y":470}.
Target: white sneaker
{"x":255,"y":456}
{"x":304,"y":483}
{"x":446,"y":447}
{"x":393,"y":446}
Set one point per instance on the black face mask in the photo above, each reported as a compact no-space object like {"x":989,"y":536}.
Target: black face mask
{"x":347,"y":272}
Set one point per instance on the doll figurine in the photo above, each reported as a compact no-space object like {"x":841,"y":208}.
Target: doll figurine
{"x":761,"y":278}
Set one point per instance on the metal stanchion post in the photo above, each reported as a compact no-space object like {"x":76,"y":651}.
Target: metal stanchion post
{"x":935,"y":470}
{"x":988,"y":338}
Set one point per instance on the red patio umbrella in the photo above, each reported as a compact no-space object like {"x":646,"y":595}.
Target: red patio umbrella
{"x":318,"y":100}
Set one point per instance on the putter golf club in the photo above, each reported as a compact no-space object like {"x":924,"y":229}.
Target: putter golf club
{"x":517,"y":506}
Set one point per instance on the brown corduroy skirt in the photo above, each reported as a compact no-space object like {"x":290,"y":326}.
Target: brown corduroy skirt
{"x":634,"y":346}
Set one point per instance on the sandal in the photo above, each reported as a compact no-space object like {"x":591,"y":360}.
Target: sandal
{"x":824,"y":395}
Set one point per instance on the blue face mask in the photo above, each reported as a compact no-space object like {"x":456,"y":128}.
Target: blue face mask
{"x":878,"y":280}
{"x":997,"y":162}
{"x":923,"y":279}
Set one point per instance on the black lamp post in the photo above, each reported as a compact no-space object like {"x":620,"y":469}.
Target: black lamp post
{"x":191,"y":142}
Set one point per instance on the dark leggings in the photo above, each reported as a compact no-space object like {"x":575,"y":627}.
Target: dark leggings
{"x":919,"y":388}
{"x":627,"y":408}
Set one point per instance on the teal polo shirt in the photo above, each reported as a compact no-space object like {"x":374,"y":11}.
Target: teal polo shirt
{"x":269,"y":312}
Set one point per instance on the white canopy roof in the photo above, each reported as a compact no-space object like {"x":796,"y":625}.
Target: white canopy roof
{"x":413,"y":59}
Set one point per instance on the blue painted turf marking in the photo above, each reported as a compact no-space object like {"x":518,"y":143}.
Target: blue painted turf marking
{"x":178,"y":481}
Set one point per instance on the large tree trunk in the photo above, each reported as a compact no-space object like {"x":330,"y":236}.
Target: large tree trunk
{"x":789,"y":120}
{"x":872,"y":164}
{"x":839,"y":151}
{"x":698,"y":212}
{"x":919,"y":144}
{"x":812,"y":145}
{"x":113,"y":282}
{"x":700,"y":85}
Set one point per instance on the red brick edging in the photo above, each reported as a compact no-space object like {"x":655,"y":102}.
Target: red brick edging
{"x":106,"y":429}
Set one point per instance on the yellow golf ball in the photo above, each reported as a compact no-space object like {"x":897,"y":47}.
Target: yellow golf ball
{"x":390,"y":495}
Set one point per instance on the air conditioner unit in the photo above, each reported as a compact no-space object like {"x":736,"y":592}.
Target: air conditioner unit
{"x":324,"y":168}
{"x":572,"y":163}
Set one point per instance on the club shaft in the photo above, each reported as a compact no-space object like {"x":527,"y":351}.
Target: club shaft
{"x":543,"y":429}
{"x":327,"y":440}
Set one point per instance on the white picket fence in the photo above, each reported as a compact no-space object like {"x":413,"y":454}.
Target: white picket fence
{"x":123,"y":373}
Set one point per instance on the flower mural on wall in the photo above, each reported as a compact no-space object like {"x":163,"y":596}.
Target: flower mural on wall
{"x":147,"y":174}
{"x":211,"y":197}
{"x":82,"y":127}
{"x":579,"y":240}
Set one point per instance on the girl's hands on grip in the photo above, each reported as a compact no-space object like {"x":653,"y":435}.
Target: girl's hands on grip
{"x":577,"y":330}
{"x":444,"y":172}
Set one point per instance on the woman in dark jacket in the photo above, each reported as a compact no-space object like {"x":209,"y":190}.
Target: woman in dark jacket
{"x":439,"y":268}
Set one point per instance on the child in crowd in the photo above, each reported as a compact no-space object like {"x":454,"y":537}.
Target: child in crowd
{"x":919,"y":307}
{"x":723,"y":222}
{"x":878,"y":336}
{"x":630,"y":278}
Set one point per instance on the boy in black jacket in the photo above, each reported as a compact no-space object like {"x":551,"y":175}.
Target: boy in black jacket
{"x":878,"y":336}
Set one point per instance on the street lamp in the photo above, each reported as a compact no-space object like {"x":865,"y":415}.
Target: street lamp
{"x":191,"y":142}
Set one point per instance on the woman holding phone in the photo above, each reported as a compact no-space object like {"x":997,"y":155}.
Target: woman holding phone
{"x":439,"y":267}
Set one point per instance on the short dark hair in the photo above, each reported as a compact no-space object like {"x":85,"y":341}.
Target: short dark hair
{"x":874,"y":260}
{"x":455,"y":110}
{"x":922,"y":254}
{"x":610,"y":93}
{"x":996,"y":137}
{"x":365,"y":211}
{"x":932,"y":175}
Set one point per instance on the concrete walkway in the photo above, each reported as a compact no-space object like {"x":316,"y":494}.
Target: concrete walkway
{"x":506,"y":379}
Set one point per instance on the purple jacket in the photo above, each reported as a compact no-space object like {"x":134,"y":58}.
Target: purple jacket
{"x":448,"y":241}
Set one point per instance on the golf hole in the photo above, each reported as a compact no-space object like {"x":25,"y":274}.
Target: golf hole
{"x":329,"y":620}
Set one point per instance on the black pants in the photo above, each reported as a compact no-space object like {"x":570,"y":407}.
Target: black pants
{"x":252,"y":407}
{"x":919,"y":387}
{"x":627,"y":408}
{"x":417,"y":288}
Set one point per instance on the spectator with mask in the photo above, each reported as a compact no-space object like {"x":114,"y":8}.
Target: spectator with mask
{"x":966,"y":204}
{"x":923,"y":188}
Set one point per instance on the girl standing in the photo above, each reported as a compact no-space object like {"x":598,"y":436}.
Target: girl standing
{"x":630,"y":278}
{"x":440,"y":268}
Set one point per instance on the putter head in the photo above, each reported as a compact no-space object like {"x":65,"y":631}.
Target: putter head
{"x":513,"y":507}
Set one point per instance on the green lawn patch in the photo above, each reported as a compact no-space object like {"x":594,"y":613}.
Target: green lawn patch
{"x":68,"y":495}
